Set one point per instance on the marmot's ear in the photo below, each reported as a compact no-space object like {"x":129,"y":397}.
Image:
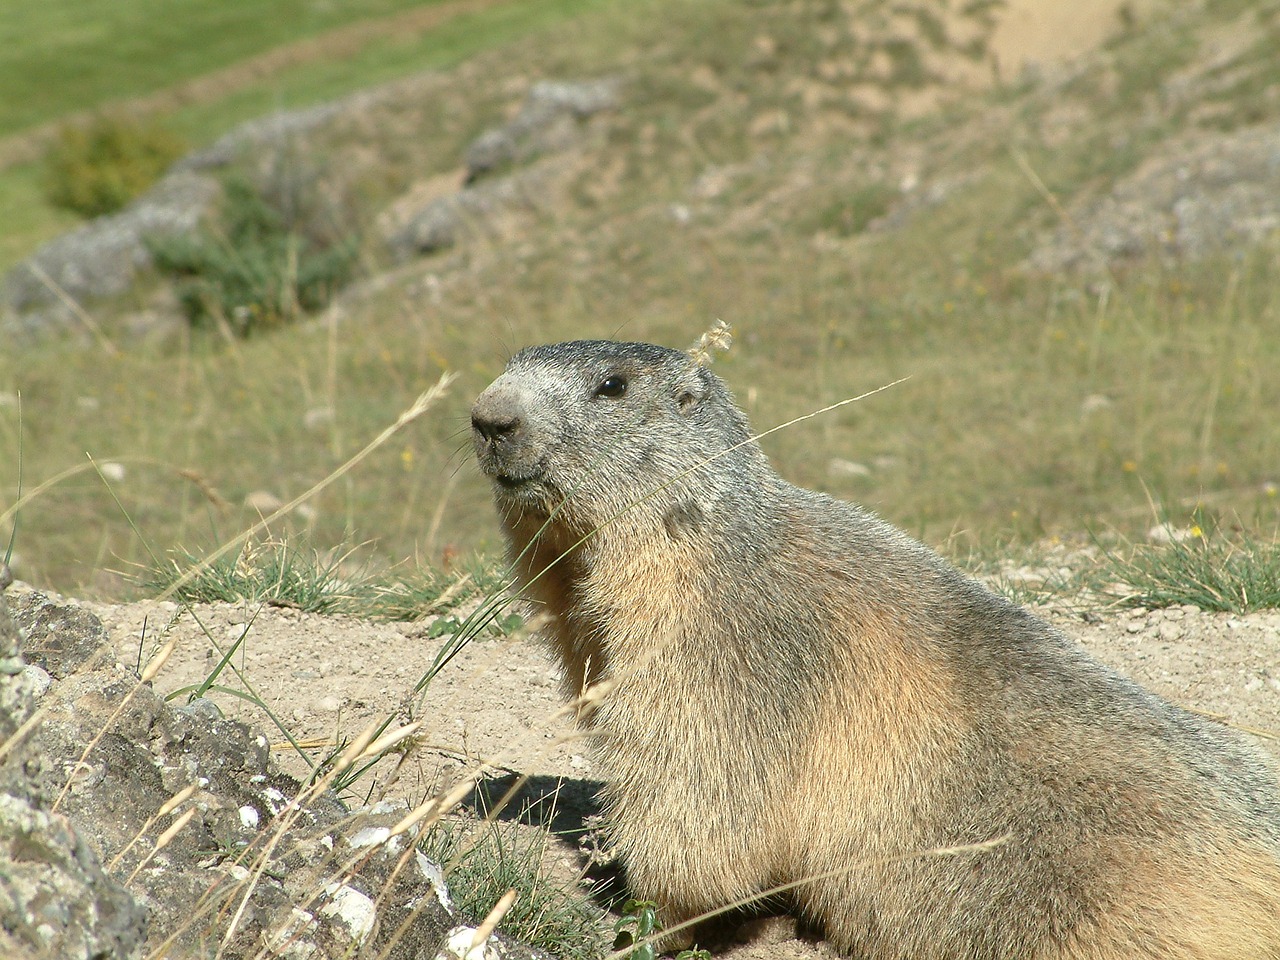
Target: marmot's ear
{"x":690,"y":391}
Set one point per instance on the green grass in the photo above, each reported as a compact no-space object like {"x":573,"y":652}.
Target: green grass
{"x":1205,"y":566}
{"x":295,"y":574}
{"x":67,"y":57}
{"x":483,"y":860}
{"x":29,"y":219}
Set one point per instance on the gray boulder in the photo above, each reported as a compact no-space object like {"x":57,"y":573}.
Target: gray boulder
{"x":252,"y":866}
{"x":104,"y":256}
{"x":531,"y":148}
{"x":1199,"y":193}
{"x":55,"y":898}
{"x":475,"y":211}
{"x":547,"y":122}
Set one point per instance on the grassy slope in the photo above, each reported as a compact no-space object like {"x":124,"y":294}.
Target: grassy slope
{"x":132,"y":57}
{"x":991,"y":437}
{"x":78,"y":56}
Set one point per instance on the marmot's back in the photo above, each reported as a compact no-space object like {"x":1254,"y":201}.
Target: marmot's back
{"x":800,"y":694}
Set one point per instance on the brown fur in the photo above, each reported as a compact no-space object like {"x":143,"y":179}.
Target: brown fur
{"x":800,"y":695}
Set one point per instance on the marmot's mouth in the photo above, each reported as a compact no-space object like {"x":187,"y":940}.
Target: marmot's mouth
{"x":512,"y":477}
{"x":509,"y":482}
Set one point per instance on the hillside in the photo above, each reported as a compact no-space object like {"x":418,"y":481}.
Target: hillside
{"x":1054,"y":256}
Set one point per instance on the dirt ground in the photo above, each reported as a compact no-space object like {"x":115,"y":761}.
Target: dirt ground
{"x":499,"y":700}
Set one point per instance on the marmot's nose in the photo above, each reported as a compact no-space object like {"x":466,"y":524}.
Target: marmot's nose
{"x":496,"y":416}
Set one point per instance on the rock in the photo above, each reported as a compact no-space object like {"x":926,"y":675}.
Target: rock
{"x":1202,"y":192}
{"x":254,"y":857}
{"x":838,"y":466}
{"x":46,"y":292}
{"x":471,"y":212}
{"x":265,"y":133}
{"x":103,"y":257}
{"x":547,"y":122}
{"x":55,"y":898}
{"x":1168,"y":533}
{"x":58,"y":638}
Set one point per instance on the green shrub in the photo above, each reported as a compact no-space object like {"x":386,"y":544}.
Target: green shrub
{"x":97,"y":168}
{"x":273,"y":256}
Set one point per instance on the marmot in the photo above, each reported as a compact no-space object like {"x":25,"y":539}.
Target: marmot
{"x":797,"y":691}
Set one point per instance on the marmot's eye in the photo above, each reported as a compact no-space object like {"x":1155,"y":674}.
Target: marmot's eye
{"x":612,"y":387}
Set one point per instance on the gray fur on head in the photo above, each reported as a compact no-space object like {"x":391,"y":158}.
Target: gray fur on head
{"x":574,"y":423}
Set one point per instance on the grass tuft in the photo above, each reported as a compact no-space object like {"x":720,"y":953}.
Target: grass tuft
{"x":1204,"y":566}
{"x":486,"y":860}
{"x":287,"y":573}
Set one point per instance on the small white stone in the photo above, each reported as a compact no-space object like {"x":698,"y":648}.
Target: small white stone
{"x":458,"y":946}
{"x":1094,"y":402}
{"x":370,"y":837}
{"x":35,"y":680}
{"x":249,"y":818}
{"x":434,"y":875}
{"x":263,"y":502}
{"x":288,"y":940}
{"x":1168,"y":533}
{"x":847,"y":468}
{"x":353,"y":908}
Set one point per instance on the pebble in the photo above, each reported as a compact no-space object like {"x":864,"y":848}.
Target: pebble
{"x":848,"y":468}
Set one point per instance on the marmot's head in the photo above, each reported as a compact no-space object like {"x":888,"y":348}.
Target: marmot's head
{"x":587,"y":430}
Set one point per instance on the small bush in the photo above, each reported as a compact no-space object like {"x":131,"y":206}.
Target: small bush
{"x":98,"y":168}
{"x":273,"y":257}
